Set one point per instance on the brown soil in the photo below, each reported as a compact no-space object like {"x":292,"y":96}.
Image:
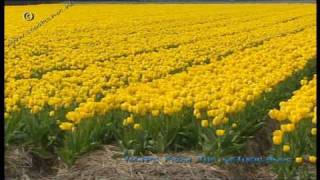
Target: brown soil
{"x":107,"y":163}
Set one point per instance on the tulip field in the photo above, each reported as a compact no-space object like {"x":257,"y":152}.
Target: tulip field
{"x":157,"y":78}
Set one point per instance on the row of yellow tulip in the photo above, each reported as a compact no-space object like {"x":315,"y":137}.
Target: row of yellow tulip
{"x":103,"y":48}
{"x":296,"y":137}
{"x":213,"y":90}
{"x":63,"y":88}
{"x":302,"y":104}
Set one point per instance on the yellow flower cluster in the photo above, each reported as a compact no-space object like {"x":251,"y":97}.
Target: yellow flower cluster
{"x":129,"y":120}
{"x":217,"y":89}
{"x":311,"y":159}
{"x":300,"y":108}
{"x":301,"y":105}
{"x":156,"y":60}
{"x":66,"y":126}
{"x":85,"y":58}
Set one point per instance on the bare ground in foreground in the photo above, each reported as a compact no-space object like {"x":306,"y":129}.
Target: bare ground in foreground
{"x":107,"y":163}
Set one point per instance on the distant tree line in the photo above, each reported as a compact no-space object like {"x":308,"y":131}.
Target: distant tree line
{"x":30,"y":1}
{"x":57,"y":1}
